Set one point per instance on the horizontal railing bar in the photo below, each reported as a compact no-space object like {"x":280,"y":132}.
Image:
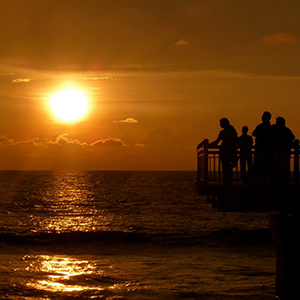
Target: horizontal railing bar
{"x":209,"y":165}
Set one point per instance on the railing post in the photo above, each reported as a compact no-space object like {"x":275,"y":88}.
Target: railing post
{"x":198,"y":166}
{"x":205,"y":161}
{"x":296,"y":161}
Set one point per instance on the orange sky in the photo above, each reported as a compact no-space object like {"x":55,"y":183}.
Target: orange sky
{"x":158,"y":75}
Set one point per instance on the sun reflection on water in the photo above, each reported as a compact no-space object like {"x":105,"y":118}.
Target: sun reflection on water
{"x":61,"y":273}
{"x":71,"y":204}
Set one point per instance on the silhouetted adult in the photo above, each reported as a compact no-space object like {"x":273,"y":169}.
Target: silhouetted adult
{"x":283,"y":142}
{"x":245,"y":142}
{"x":228,"y":136}
{"x":263,"y":155}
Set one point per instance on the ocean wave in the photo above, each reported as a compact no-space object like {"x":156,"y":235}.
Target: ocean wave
{"x":100,"y":237}
{"x":224,"y":236}
{"x":246,"y":236}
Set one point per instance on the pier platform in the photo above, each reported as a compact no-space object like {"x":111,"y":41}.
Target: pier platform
{"x":239,"y":196}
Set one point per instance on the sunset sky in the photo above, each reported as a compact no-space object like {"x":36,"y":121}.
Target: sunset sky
{"x":158,"y":76}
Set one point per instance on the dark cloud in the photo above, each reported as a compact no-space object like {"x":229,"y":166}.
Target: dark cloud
{"x":280,"y":37}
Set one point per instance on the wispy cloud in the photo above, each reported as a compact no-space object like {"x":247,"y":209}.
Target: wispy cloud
{"x":96,"y":78}
{"x":280,"y":37}
{"x":63,"y":140}
{"x":182,"y":42}
{"x":6,"y":140}
{"x":139,"y":145}
{"x":113,"y":142}
{"x":7,"y":74}
{"x":19,"y":80}
{"x":34,"y":142}
{"x":215,"y":73}
{"x":128,"y":120}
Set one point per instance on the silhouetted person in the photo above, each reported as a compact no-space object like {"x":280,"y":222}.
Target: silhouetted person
{"x":228,"y":136}
{"x":245,"y":143}
{"x":263,"y":155}
{"x":283,"y":142}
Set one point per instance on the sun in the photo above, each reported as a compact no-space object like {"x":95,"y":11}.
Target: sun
{"x":69,"y":105}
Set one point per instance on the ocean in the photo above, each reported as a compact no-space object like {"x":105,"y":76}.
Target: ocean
{"x":127,"y":235}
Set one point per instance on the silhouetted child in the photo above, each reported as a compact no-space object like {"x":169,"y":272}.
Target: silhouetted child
{"x":245,"y":143}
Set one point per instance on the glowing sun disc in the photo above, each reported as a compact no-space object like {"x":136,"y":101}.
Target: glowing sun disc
{"x":69,"y":105}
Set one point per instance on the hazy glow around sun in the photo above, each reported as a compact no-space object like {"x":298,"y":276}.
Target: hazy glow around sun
{"x":69,"y":105}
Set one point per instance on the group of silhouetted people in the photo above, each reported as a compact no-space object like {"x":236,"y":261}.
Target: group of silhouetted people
{"x":273,"y":145}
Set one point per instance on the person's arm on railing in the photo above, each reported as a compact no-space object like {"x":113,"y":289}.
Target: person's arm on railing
{"x":202,"y":144}
{"x":216,"y":142}
{"x":213,"y":144}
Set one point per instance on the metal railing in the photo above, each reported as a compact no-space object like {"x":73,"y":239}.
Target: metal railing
{"x":209,"y":169}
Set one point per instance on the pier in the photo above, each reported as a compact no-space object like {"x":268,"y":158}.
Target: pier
{"x":239,"y":196}
{"x":281,"y":200}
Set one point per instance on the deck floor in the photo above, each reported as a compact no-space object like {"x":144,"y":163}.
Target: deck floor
{"x":251,"y":197}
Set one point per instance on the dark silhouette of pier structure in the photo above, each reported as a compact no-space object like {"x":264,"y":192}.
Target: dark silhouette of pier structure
{"x":280,"y":199}
{"x":252,"y":196}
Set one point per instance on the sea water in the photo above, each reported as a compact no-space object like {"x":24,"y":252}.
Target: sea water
{"x":127,"y":235}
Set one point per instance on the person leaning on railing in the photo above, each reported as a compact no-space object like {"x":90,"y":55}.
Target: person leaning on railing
{"x":228,"y":137}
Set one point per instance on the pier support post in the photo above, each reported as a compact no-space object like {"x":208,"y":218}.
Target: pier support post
{"x":296,"y":161}
{"x":285,"y":229}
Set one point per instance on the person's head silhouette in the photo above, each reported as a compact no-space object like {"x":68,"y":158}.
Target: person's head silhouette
{"x":245,"y":129}
{"x":280,"y":122}
{"x":266,"y":117}
{"x":224,"y":123}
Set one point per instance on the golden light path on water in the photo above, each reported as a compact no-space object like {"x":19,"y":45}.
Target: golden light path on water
{"x":71,"y":207}
{"x":58,"y":270}
{"x":60,"y":274}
